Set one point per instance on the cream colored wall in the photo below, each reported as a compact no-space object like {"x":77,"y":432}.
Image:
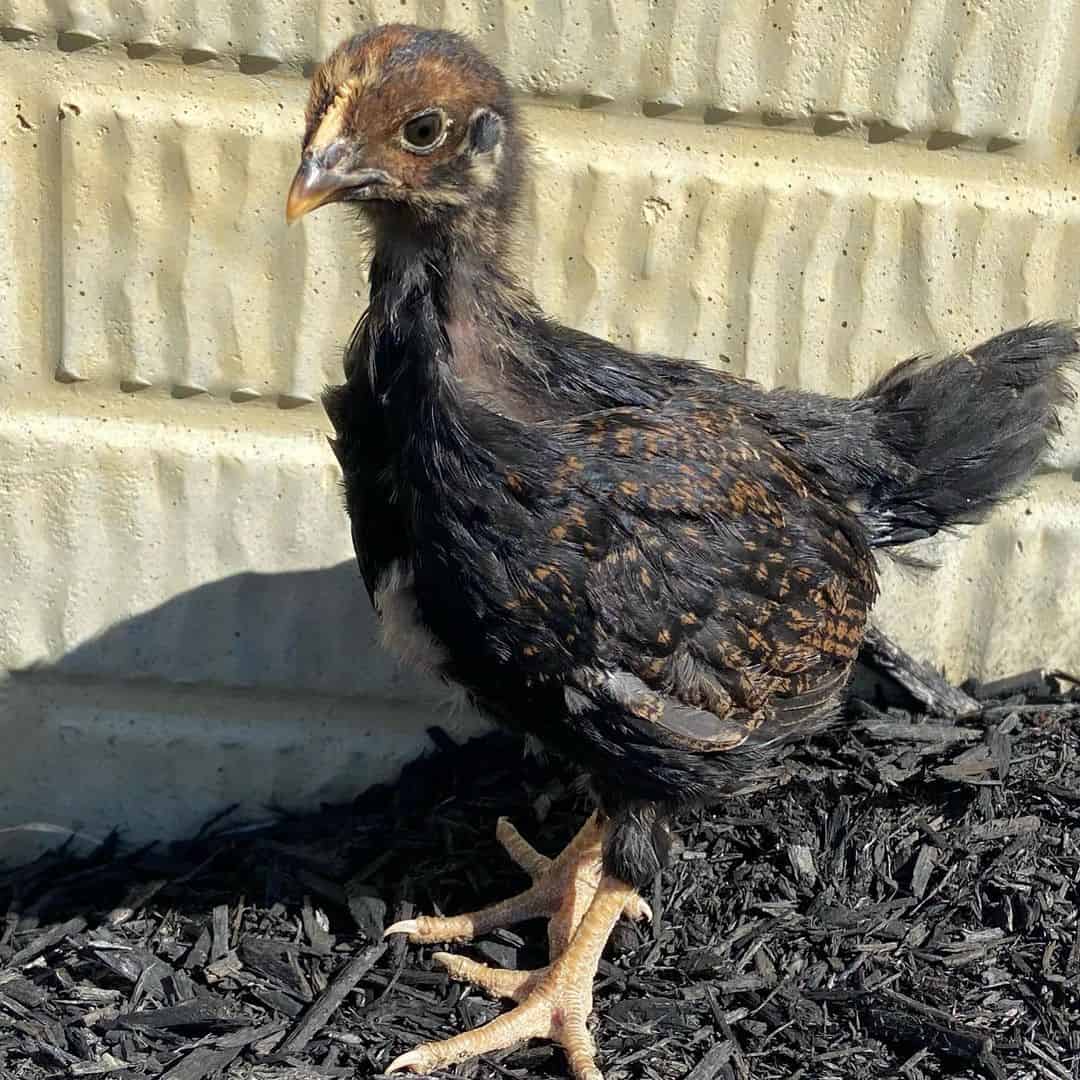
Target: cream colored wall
{"x":814,"y":189}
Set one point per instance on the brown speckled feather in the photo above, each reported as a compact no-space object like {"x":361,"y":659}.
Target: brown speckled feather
{"x":685,"y":548}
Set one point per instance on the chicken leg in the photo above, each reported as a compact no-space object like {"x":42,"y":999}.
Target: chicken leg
{"x":582,"y":905}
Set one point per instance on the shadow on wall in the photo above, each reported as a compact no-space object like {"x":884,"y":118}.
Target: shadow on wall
{"x":259,"y":690}
{"x":308,"y":630}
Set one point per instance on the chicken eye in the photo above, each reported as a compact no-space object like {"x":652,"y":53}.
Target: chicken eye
{"x":423,"y":132}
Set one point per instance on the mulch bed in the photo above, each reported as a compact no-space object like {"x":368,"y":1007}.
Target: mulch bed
{"x":903,"y":902}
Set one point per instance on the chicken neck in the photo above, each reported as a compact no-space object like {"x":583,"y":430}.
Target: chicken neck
{"x":490,"y":338}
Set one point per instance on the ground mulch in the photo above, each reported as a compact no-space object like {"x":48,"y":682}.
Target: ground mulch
{"x":902,"y":901}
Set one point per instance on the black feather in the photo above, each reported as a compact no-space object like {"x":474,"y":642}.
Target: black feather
{"x":970,"y":428}
{"x":651,"y":566}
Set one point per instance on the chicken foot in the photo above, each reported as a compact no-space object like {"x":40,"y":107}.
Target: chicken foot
{"x":582,"y":905}
{"x":561,"y":891}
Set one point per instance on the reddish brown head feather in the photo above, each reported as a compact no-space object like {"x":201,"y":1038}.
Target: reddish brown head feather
{"x":372,"y":83}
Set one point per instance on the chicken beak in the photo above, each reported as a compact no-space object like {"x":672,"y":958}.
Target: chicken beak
{"x":312,"y":187}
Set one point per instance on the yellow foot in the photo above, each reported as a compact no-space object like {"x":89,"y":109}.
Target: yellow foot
{"x":561,"y":891}
{"x":555,"y":1002}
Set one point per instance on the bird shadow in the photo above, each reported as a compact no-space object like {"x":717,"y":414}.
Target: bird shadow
{"x":260,"y":691}
{"x":305,"y":630}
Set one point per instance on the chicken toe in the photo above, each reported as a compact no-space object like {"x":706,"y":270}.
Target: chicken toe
{"x":554,"y":1003}
{"x":561,"y":891}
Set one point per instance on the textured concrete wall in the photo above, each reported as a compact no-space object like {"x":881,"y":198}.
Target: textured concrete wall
{"x":814,"y":190}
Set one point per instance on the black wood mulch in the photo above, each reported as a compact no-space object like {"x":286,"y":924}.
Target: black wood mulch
{"x":903,"y":902}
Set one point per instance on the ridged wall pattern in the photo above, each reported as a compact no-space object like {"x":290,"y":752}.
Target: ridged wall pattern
{"x":797,"y":195}
{"x":999,"y":74}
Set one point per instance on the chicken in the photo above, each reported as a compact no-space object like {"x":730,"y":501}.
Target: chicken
{"x":657,"y":569}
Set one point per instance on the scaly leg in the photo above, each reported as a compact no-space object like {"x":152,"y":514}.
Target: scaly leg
{"x":555,"y":1002}
{"x":582,"y":905}
{"x":561,"y":891}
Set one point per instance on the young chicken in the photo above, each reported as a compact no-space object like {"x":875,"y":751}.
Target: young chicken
{"x":658,"y":569}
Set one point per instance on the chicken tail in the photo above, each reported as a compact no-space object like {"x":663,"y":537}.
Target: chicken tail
{"x":965,"y":431}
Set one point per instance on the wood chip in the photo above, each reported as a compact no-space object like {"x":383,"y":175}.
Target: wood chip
{"x":315,"y":1018}
{"x":53,"y":936}
{"x":920,"y":680}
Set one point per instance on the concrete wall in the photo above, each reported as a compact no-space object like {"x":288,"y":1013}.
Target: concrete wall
{"x":814,"y":190}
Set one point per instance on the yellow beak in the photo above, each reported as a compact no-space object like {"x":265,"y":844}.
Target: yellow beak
{"x":311,"y":188}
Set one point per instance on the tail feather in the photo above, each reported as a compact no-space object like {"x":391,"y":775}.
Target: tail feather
{"x":966,"y":430}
